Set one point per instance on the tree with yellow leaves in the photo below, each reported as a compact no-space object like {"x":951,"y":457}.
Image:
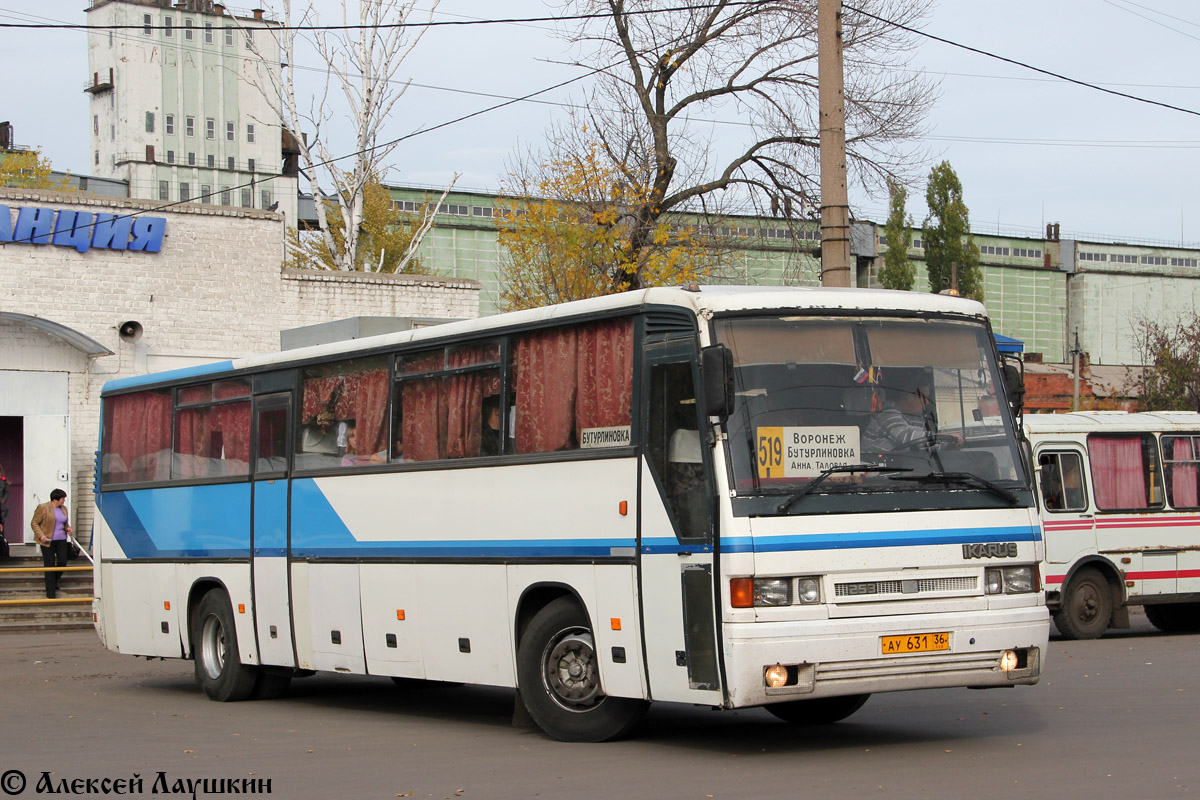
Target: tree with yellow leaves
{"x":387,"y":239}
{"x":566,"y":226}
{"x":29,"y":169}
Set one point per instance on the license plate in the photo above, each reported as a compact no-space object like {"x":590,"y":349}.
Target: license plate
{"x":915,"y":643}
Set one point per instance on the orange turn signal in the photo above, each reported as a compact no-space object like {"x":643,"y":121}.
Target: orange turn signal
{"x":241,"y":608}
{"x":166,"y":605}
{"x":741,"y":592}
{"x":616,"y":623}
{"x":400,"y":614}
{"x":623,"y":507}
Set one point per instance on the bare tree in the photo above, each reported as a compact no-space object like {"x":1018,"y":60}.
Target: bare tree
{"x":666,"y":77}
{"x":362,"y":64}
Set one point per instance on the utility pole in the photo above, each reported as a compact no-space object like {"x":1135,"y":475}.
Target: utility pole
{"x":835,"y":205}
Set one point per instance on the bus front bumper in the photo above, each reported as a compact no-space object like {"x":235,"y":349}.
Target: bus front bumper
{"x":884,"y":654}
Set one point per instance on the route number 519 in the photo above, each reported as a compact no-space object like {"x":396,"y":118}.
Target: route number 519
{"x":770,"y":452}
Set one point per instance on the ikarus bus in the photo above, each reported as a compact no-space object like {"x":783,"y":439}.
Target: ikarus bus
{"x":726,"y":496}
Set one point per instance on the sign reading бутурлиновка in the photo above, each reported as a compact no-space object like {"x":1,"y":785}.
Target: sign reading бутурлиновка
{"x":82,"y":229}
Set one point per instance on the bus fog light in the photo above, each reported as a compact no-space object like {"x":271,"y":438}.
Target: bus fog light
{"x":1008,"y":660}
{"x":993,"y":580}
{"x":808,"y":590}
{"x":1018,"y":579}
{"x":772,"y":592}
{"x":775,"y":676}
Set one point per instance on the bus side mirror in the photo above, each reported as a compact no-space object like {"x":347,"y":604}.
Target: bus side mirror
{"x":716,"y":378}
{"x":1014,"y":387}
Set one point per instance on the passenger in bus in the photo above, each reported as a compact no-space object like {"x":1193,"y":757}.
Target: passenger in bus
{"x":489,"y":442}
{"x":352,"y":458}
{"x":907,"y":419}
{"x":1051,"y":483}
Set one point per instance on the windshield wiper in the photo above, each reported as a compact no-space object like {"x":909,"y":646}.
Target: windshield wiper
{"x":962,"y":479}
{"x":825,"y":473}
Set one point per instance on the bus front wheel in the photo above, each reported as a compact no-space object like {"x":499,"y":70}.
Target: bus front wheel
{"x":1087,"y":606}
{"x":559,"y":678}
{"x":1175,"y":617}
{"x":219,"y":670}
{"x":819,"y":711}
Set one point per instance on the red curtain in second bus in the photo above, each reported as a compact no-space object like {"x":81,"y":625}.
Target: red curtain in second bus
{"x":1119,"y":473}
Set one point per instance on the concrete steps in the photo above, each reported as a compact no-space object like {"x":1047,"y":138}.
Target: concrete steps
{"x":71,"y":610}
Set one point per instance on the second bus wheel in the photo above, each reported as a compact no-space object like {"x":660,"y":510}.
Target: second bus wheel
{"x":1175,"y":617}
{"x":818,"y":711}
{"x":1087,"y":606}
{"x":219,"y":670}
{"x":559,"y":679}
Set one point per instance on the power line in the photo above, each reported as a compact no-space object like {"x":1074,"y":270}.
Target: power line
{"x":1022,"y":64}
{"x":395,"y":25}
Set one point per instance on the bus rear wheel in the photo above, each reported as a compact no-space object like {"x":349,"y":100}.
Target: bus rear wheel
{"x":1175,"y":617}
{"x":1087,"y":606}
{"x":219,"y":670}
{"x":559,"y":679}
{"x":819,"y":711}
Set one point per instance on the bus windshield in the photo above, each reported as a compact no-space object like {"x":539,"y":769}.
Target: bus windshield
{"x":843,"y":407}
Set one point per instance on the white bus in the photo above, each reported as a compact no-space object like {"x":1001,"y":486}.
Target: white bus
{"x":1120,"y":504}
{"x":663,"y":495}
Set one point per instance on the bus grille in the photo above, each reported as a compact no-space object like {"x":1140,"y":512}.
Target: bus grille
{"x":984,"y":663}
{"x":965,"y":583}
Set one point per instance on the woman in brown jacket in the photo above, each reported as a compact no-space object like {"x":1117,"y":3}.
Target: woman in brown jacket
{"x":52,"y":531}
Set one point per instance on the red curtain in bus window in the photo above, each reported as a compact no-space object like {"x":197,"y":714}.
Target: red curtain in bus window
{"x":364,"y":400}
{"x":1118,"y":472}
{"x":422,"y":410}
{"x":546,"y":384}
{"x":463,"y":400}
{"x":1184,"y":476}
{"x":140,"y":438}
{"x":605,"y":375}
{"x":360,"y":397}
{"x":192,"y":434}
{"x":233,"y":423}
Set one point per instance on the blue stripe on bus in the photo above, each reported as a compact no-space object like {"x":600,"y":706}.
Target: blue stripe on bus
{"x":169,"y":375}
{"x":902,"y":538}
{"x":181,"y":521}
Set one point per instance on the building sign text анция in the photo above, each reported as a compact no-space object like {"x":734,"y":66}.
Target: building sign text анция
{"x":82,"y":229}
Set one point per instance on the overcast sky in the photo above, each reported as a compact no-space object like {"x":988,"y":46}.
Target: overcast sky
{"x":1029,"y":149}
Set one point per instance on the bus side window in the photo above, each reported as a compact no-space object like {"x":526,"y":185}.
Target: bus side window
{"x":1062,"y":481}
{"x":1182,"y":461}
{"x":1051,"y":482}
{"x":674,"y":448}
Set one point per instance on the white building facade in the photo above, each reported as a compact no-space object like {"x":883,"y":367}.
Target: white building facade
{"x":185,"y":104}
{"x":129,"y":289}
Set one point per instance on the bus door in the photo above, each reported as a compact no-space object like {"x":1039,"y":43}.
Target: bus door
{"x":1067,"y":516}
{"x":270,"y":530}
{"x":676,"y":535}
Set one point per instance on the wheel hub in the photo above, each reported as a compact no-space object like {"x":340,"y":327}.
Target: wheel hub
{"x":570,"y":670}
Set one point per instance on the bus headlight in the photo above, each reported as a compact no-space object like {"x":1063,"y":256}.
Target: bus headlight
{"x":1009,"y":580}
{"x":808,"y":590}
{"x":772,"y":592}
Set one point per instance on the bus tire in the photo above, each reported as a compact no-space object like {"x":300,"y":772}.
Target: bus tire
{"x":559,"y":679}
{"x":1175,"y":617}
{"x":818,"y":711}
{"x":1087,"y":606}
{"x":219,"y":670}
